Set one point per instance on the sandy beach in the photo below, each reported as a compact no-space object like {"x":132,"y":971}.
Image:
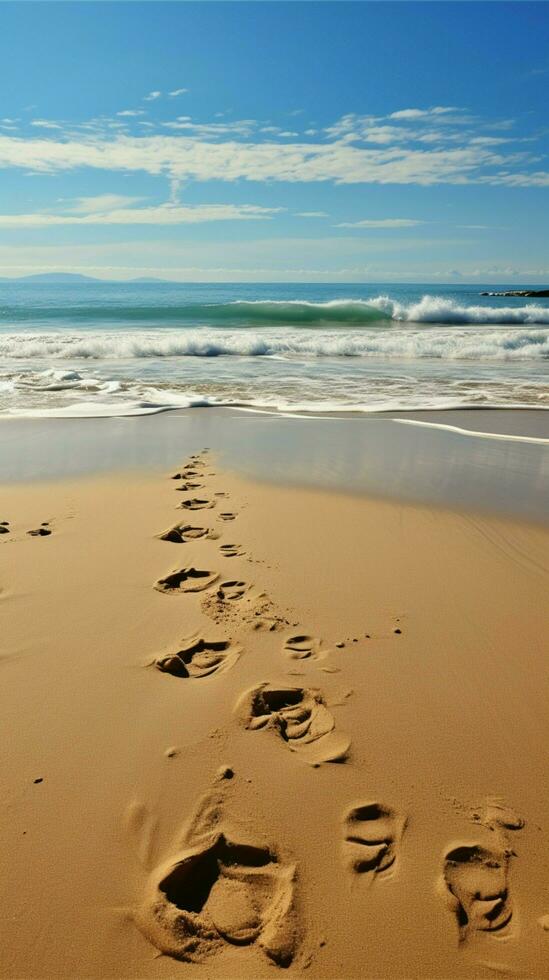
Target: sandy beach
{"x":251,"y":727}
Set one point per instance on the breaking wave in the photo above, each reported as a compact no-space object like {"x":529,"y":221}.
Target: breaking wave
{"x":350,"y":312}
{"x":466,"y":343}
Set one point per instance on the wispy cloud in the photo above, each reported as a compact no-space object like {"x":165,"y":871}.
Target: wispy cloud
{"x":152,"y":96}
{"x":381,"y":223}
{"x":131,"y":112}
{"x":312,"y":214}
{"x":45,"y":124}
{"x":177,"y":91}
{"x":101,"y":203}
{"x":354,"y":150}
{"x":422,"y":114}
{"x":114,"y":209}
{"x":212,"y":130}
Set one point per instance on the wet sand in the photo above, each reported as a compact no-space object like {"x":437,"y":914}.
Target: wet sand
{"x":376,"y":455}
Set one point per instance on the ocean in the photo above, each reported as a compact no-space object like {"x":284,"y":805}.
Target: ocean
{"x":107,"y":349}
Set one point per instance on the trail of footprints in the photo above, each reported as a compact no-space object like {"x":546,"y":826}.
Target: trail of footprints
{"x":218,"y":890}
{"x":42,"y":531}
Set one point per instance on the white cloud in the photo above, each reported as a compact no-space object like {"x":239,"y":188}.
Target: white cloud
{"x":177,"y":91}
{"x":538,"y":179}
{"x":152,"y":96}
{"x":312,"y":214}
{"x":356,"y":149}
{"x":131,"y":112}
{"x":101,"y":203}
{"x":45,"y":124}
{"x":105,"y":210}
{"x":381,"y":223}
{"x":438,"y":110}
{"x":240,"y":127}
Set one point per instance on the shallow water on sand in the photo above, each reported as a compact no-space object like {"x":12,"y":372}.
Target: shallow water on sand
{"x":374,"y":455}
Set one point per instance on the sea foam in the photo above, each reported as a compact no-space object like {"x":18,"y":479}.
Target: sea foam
{"x":458,"y":343}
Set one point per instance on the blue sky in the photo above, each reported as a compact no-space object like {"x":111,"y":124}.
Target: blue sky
{"x":275,"y":141}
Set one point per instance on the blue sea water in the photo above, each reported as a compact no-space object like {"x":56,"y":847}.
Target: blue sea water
{"x":95,"y":348}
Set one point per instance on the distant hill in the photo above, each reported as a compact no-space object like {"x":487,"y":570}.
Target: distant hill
{"x":72,"y":277}
{"x":55,"y":277}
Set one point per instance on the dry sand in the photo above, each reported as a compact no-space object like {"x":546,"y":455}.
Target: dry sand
{"x":269,"y":730}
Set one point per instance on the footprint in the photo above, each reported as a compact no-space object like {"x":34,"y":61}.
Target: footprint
{"x":372,"y":835}
{"x":4,"y":527}
{"x":303,"y":647}
{"x":497,"y":816}
{"x":299,"y":716}
{"x":188,"y":472}
{"x":231,"y":550}
{"x":232,"y":590}
{"x":187,"y":580}
{"x":182,"y":533}
{"x":475,"y":880}
{"x":199,"y":657}
{"x":239,"y":602}
{"x":185,"y":487}
{"x":42,"y":531}
{"x":197,"y":503}
{"x":218,"y":892}
{"x":227,"y":516}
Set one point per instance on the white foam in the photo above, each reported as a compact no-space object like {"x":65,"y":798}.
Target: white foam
{"x":506,"y":437}
{"x":406,"y":343}
{"x":438,"y":309}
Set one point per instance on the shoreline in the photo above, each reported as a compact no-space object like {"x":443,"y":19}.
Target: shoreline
{"x":401,"y":457}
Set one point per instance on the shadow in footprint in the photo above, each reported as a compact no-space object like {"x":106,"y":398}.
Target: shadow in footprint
{"x":231,"y":550}
{"x":475,"y":881}
{"x":186,"y":487}
{"x":303,"y":647}
{"x":227,"y":516}
{"x":218,"y":892}
{"x":40,"y":532}
{"x":199,"y":657}
{"x":4,"y":527}
{"x":197,"y":503}
{"x":372,"y":834}
{"x":187,"y":580}
{"x":299,"y":716}
{"x":232,"y":590}
{"x":182,"y":533}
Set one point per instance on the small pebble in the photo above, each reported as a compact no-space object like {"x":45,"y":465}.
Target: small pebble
{"x":340,"y":644}
{"x":39,"y":780}
{"x":397,"y":630}
{"x":225,"y":772}
{"x":171,"y":752}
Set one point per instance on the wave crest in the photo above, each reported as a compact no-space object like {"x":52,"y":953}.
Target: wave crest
{"x":408,"y":343}
{"x":290,"y":312}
